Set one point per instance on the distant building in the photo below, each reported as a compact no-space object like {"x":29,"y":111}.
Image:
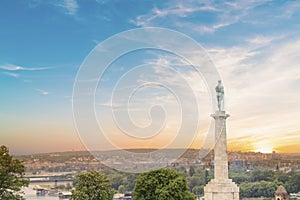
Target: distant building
{"x":126,"y":196}
{"x":281,"y":193}
{"x":295,"y":195}
{"x":64,"y":195}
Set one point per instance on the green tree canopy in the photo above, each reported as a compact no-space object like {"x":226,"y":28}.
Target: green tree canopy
{"x":192,"y":171}
{"x":161,"y":184}
{"x":92,"y":185}
{"x":293,"y":184}
{"x":257,"y":189}
{"x":11,"y":176}
{"x":198,"y":190}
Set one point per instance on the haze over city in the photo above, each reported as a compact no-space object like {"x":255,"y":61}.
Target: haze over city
{"x":255,"y":46}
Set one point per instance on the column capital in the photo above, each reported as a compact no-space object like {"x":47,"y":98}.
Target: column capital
{"x":220,"y":114}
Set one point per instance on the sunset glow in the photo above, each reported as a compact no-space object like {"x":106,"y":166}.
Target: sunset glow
{"x":254,"y":46}
{"x":264,"y":150}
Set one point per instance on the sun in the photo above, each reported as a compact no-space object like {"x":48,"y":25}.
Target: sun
{"x":263,"y":147}
{"x":264,"y":150}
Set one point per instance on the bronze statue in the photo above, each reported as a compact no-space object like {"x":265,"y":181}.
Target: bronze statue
{"x":220,"y":95}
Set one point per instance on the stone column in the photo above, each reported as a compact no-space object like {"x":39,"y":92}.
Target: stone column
{"x":221,"y":187}
{"x":220,"y":149}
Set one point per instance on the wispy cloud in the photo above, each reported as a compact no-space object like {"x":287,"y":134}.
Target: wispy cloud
{"x":71,"y":6}
{"x":226,"y":14}
{"x":289,"y":9}
{"x":15,"y":75}
{"x":11,"y":67}
{"x":182,"y":10}
{"x":43,"y":92}
{"x":179,"y":9}
{"x":261,"y":40}
{"x":33,"y":3}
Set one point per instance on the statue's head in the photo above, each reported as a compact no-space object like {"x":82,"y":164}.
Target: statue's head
{"x":219,"y":81}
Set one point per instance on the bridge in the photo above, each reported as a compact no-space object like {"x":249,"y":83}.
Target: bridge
{"x":48,"y":179}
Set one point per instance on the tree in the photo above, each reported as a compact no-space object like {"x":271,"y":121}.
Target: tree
{"x":160,"y":185}
{"x":239,"y":177}
{"x":192,"y":171}
{"x":92,"y":185}
{"x":293,"y":185}
{"x":257,"y":189}
{"x":262,"y":175}
{"x":68,"y":186}
{"x":116,"y":180}
{"x":281,"y":177}
{"x":195,"y":181}
{"x":198,"y":190}
{"x":11,"y":176}
{"x":121,"y":189}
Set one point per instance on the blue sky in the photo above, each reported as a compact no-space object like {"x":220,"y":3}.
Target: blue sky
{"x":254,"y":45}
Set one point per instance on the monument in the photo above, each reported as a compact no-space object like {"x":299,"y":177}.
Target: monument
{"x":221,"y":187}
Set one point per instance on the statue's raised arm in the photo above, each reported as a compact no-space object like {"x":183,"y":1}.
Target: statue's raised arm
{"x":220,"y":95}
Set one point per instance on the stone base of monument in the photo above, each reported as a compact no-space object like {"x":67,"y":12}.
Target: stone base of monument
{"x":221,"y":190}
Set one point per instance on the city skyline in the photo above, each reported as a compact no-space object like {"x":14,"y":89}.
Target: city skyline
{"x":254,"y":46}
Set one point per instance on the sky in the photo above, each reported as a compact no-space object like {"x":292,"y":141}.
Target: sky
{"x":254,"y":45}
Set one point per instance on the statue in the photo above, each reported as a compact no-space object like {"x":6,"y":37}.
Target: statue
{"x":220,"y":95}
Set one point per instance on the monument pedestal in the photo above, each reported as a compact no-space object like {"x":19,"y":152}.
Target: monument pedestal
{"x":221,"y":187}
{"x":221,"y":190}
